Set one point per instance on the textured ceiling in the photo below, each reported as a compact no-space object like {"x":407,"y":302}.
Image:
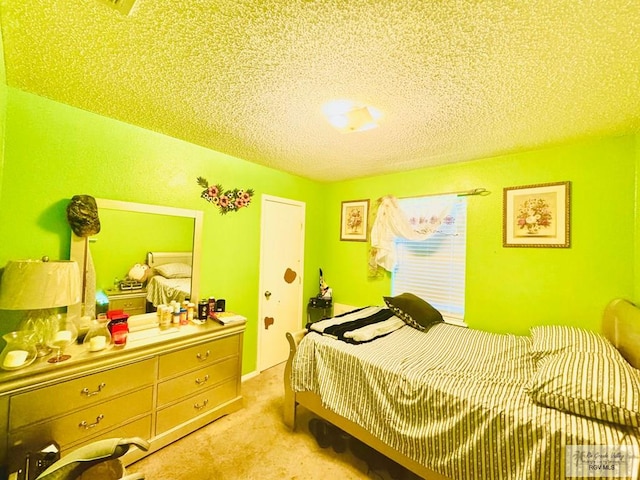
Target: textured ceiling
{"x":454,"y":80}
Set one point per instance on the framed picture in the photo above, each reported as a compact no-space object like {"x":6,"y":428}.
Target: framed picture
{"x":354,"y":220}
{"x":537,"y":215}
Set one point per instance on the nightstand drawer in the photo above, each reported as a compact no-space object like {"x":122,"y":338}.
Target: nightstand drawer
{"x":132,"y":306}
{"x":84,"y":424}
{"x":198,"y":380}
{"x":195,"y":405}
{"x":198,"y":356}
{"x":133,"y":302}
{"x":47,"y":402}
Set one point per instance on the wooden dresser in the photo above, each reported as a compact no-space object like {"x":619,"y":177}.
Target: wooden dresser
{"x":161,"y":386}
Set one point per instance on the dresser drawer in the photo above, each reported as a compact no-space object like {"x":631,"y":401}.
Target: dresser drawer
{"x":85,"y":424}
{"x":197,"y":380}
{"x":198,"y":356}
{"x":138,"y":428}
{"x":195,"y":405}
{"x":47,"y":402}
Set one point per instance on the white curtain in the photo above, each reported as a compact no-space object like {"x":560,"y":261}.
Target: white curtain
{"x":417,"y":220}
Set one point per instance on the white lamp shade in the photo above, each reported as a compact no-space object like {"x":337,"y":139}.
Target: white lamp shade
{"x":34,"y":284}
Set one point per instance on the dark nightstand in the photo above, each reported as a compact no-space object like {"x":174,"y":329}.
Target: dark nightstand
{"x":319,"y":308}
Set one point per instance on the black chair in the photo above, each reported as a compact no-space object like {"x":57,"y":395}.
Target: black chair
{"x":74,"y":464}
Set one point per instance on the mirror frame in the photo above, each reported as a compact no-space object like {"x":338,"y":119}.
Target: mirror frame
{"x":79,"y":245}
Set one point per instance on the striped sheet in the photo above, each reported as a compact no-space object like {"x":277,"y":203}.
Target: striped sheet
{"x":452,"y":399}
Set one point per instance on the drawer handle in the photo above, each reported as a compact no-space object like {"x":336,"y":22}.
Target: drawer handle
{"x":200,"y":381}
{"x":206,"y":355}
{"x":85,"y":390}
{"x":199,"y":406}
{"x":87,"y":426}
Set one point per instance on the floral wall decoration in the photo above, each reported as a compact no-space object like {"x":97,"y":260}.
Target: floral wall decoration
{"x":354,"y":220}
{"x":537,"y":215}
{"x":227,"y":201}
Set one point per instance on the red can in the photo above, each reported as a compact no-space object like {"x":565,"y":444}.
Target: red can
{"x":119,"y":332}
{"x":212,"y":307}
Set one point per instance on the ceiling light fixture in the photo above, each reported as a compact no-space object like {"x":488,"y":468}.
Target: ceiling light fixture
{"x":123,"y":6}
{"x":347,"y":116}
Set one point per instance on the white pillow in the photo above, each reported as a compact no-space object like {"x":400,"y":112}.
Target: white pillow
{"x":174,"y":270}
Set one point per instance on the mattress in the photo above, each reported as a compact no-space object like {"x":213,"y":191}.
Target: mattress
{"x":452,"y":399}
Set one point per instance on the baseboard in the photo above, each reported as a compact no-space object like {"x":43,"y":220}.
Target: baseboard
{"x":249,"y":375}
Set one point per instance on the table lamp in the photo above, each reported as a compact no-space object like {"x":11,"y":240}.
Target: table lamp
{"x":40,"y":286}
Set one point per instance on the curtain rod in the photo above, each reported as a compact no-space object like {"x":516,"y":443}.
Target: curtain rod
{"x":461,"y":193}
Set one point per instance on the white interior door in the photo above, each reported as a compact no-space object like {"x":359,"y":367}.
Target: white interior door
{"x":281,"y":268}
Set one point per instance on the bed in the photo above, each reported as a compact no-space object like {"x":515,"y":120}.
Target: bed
{"x":457,"y":403}
{"x":169,"y":278}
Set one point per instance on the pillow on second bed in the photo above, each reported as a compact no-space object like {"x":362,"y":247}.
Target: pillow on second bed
{"x":589,"y":384}
{"x":547,"y":339}
{"x":174,"y":270}
{"x":413,"y":310}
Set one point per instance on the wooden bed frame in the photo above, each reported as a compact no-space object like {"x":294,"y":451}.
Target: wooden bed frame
{"x":155,"y":259}
{"x":621,"y":325}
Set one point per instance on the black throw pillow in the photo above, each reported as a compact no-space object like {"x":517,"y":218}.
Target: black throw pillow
{"x":413,"y":310}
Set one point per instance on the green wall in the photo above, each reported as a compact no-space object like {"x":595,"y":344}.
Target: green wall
{"x":511,"y":289}
{"x":132,"y":235}
{"x":3,"y":109}
{"x":636,"y":258}
{"x":53,"y":151}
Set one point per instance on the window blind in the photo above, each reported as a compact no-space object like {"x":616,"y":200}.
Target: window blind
{"x":434,"y":269}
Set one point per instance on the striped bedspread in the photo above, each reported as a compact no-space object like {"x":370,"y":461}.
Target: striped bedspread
{"x":161,"y":290}
{"x":451,"y":398}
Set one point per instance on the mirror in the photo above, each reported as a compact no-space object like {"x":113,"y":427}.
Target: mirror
{"x":128,"y":232}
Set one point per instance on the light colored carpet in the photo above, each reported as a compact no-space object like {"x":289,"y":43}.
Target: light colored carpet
{"x":254,"y":443}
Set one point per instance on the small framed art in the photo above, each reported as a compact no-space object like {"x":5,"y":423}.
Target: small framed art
{"x":354,"y":220}
{"x":537,"y":215}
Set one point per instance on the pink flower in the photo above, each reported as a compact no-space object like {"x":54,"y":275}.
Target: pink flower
{"x":224,"y":201}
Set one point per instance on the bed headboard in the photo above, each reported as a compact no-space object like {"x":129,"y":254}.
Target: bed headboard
{"x":161,"y":258}
{"x":621,"y":325}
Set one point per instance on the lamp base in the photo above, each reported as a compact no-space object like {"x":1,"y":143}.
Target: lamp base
{"x":40,"y":322}
{"x":60,"y":358}
{"x":43,"y":350}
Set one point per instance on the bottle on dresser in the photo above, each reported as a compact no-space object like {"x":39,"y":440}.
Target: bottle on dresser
{"x":212,"y":307}
{"x":203,"y":310}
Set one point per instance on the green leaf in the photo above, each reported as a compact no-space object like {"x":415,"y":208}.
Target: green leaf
{"x":203,"y":182}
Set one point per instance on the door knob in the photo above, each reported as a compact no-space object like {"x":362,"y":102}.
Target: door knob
{"x":267,"y":294}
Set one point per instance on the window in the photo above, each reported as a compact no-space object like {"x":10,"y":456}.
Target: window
{"x":434,"y":269}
